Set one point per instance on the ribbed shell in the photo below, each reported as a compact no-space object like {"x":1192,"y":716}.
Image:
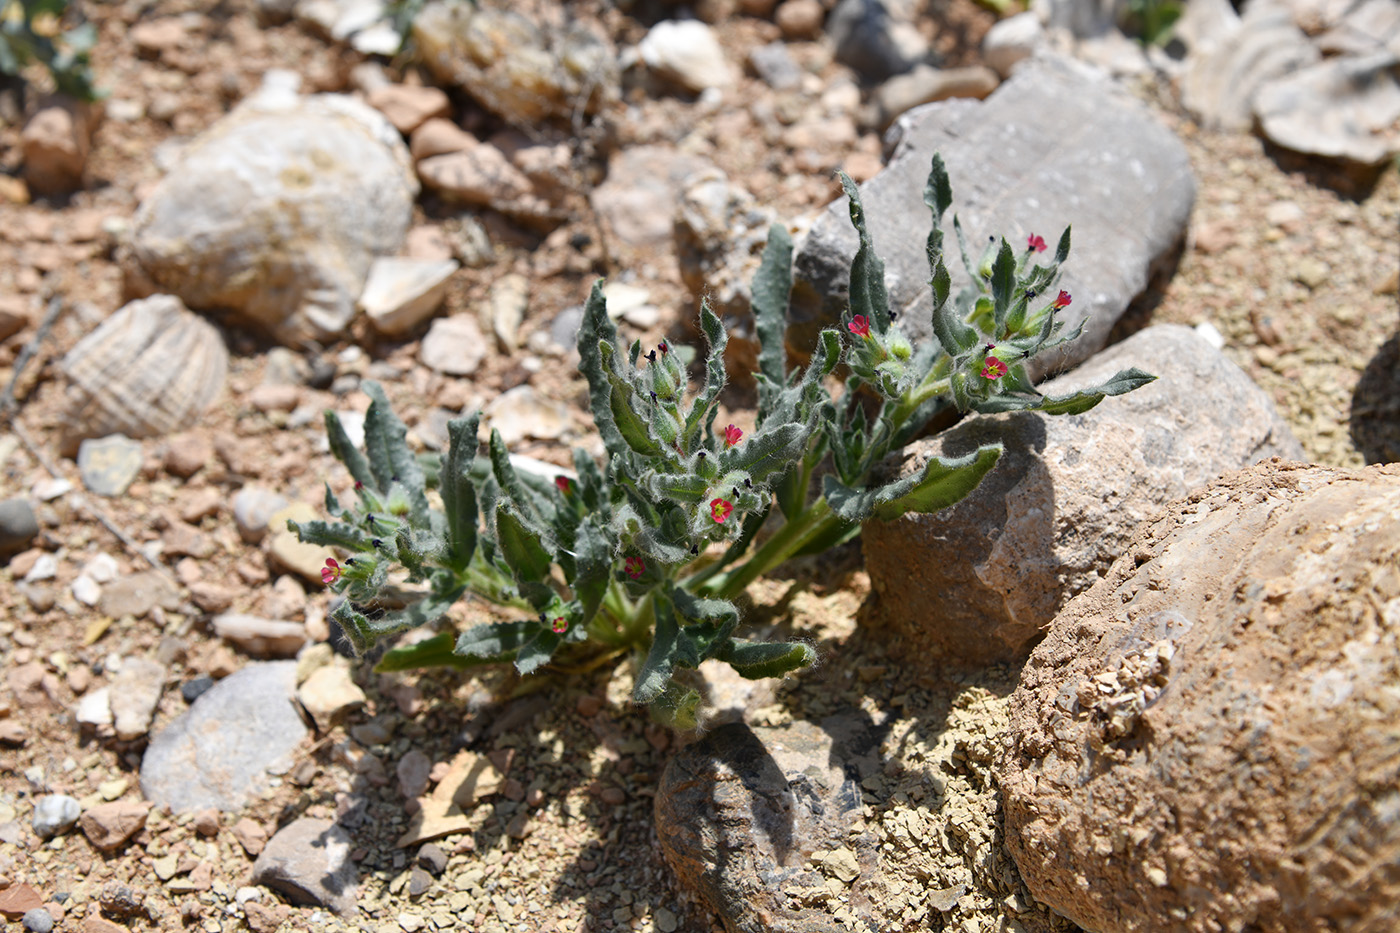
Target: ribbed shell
{"x":149,"y":369}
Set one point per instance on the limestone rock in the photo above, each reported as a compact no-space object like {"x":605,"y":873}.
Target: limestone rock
{"x":136,"y":594}
{"x":1343,"y":108}
{"x":218,"y":753}
{"x":741,"y":814}
{"x":1052,"y":147}
{"x":687,"y":52}
{"x":309,"y":863}
{"x":400,"y":294}
{"x":277,"y":211}
{"x":1208,"y":732}
{"x":524,"y":70}
{"x":453,"y":345}
{"x":981,"y":580}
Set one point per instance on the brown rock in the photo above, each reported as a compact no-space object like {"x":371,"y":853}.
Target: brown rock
{"x":56,"y":142}
{"x":409,"y":107}
{"x":981,"y":580}
{"x":19,"y":899}
{"x":13,"y":733}
{"x":250,"y":835}
{"x":187,"y":453}
{"x":201,"y":503}
{"x":158,"y":35}
{"x":439,"y":137}
{"x":136,"y":594}
{"x":800,"y":19}
{"x":206,"y":821}
{"x":33,"y":686}
{"x":109,"y":825}
{"x":182,"y":539}
{"x":1208,"y":733}
{"x":481,"y":176}
{"x":16,"y":314}
{"x":212,"y":597}
{"x":263,"y":919}
{"x":273,"y":397}
{"x":96,"y":924}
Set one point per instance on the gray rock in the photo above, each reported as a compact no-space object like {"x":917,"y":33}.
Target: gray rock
{"x":521,"y":413}
{"x":774,"y":64}
{"x":308,"y":862}
{"x":1082,"y":19}
{"x":523,"y":70}
{"x":1224,"y":74}
{"x":740,"y":813}
{"x":1052,"y":147}
{"x":218,"y":753}
{"x":108,"y":465}
{"x":18,"y":525}
{"x":687,"y":52}
{"x":400,"y":294}
{"x":37,"y":920}
{"x":55,"y":814}
{"x":252,"y":507}
{"x":876,"y":37}
{"x":261,"y":638}
{"x":306,"y":191}
{"x":135,"y":692}
{"x":1342,"y":108}
{"x":637,"y":202}
{"x":925,"y":84}
{"x":980,"y":581}
{"x":453,"y":345}
{"x":1208,"y":732}
{"x":1011,"y":41}
{"x":136,"y":594}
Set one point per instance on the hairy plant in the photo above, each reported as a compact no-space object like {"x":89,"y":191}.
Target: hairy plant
{"x":31,"y":31}
{"x":646,"y":551}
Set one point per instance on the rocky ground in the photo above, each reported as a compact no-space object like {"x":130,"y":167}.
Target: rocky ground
{"x":1293,"y":266}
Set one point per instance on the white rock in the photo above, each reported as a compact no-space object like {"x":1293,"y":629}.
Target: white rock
{"x":261,"y":637}
{"x":687,"y":52}
{"x":521,"y":412}
{"x":44,"y":569}
{"x":102,"y":568}
{"x":135,"y":694}
{"x":400,"y":294}
{"x":453,"y":345}
{"x":622,"y":297}
{"x":506,"y":306}
{"x":50,"y":489}
{"x":1208,"y":332}
{"x":86,"y":590}
{"x":1347,"y":108}
{"x":327,"y":692}
{"x":1012,"y":40}
{"x":353,"y":423}
{"x":95,"y":708}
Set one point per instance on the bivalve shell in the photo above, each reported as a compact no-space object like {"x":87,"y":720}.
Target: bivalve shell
{"x":149,"y":369}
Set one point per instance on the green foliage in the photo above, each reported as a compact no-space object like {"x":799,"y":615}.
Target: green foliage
{"x":30,"y":32}
{"x":647,"y":551}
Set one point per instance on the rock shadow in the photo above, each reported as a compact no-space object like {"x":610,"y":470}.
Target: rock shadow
{"x":1374,"y":420}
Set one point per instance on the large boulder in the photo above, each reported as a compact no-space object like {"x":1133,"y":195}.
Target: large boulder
{"x":277,"y":211}
{"x":1206,"y":740}
{"x":1053,"y":146}
{"x":980,"y":581}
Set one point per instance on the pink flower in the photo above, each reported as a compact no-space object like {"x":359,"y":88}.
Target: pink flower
{"x":331,"y":572}
{"x":1035,"y":243}
{"x":993,"y":368}
{"x":860,"y":326}
{"x":1062,"y":300}
{"x":635,"y":567}
{"x":563,"y":483}
{"x":732,"y":435}
{"x":720,"y":509}
{"x":560,"y":625}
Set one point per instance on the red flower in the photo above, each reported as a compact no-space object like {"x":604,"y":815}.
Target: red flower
{"x":732,"y":435}
{"x":993,"y":368}
{"x":563,"y":483}
{"x":560,"y":625}
{"x":860,"y":326}
{"x":331,"y":572}
{"x":635,"y":567}
{"x":1035,"y":243}
{"x":1062,"y":300}
{"x":720,"y":509}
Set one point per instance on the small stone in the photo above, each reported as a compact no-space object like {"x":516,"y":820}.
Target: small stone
{"x":453,"y":345}
{"x":1312,"y":272}
{"x":86,"y":590}
{"x":137,"y":594}
{"x":18,"y":899}
{"x":110,"y":464}
{"x":154,"y":36}
{"x":665,"y":920}
{"x":252,"y":507}
{"x":55,"y":814}
{"x":44,"y":567}
{"x":309,"y":862}
{"x":440,"y":137}
{"x":95,"y":708}
{"x":1011,"y":41}
{"x":687,"y":52}
{"x":409,"y":107}
{"x":120,"y":900}
{"x":102,"y":568}
{"x":273,"y":397}
{"x":192,"y":690}
{"x":874,"y":38}
{"x":259,"y":637}
{"x":419,"y":881}
{"x":1288,"y":216}
{"x":135,"y":691}
{"x":109,"y":825}
{"x":926,"y":84}
{"x":481,"y":175}
{"x":206,"y":821}
{"x":18,"y":526}
{"x":521,"y":412}
{"x":431,"y":857}
{"x":250,"y":835}
{"x":776,"y":66}
{"x":428,"y":242}
{"x":506,"y":305}
{"x":12,"y":733}
{"x":400,"y":294}
{"x":328,"y":693}
{"x":412,"y":771}
{"x":56,"y":142}
{"x":800,"y":19}
{"x":37,"y":920}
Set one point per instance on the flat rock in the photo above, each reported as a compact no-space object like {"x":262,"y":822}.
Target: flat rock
{"x":136,"y":594}
{"x":1342,"y":108}
{"x":108,"y":465}
{"x":744,"y":813}
{"x":328,"y":693}
{"x":1052,"y":147}
{"x":218,"y":753}
{"x":1208,"y":731}
{"x":521,"y":413}
{"x":19,"y":899}
{"x":277,"y":211}
{"x":135,"y":692}
{"x":925,"y":84}
{"x":409,"y":107}
{"x":109,"y":825}
{"x":259,"y":637}
{"x":453,"y":345}
{"x":638,"y":200}
{"x":981,"y":580}
{"x":400,"y":294}
{"x":308,"y":862}
{"x":288,"y":551}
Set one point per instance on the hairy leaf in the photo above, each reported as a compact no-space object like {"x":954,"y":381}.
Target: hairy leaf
{"x":386,"y":446}
{"x":458,"y":493}
{"x":757,"y":660}
{"x":346,"y":452}
{"x":598,"y":327}
{"x":520,"y":546}
{"x":868,"y":294}
{"x":771,"y":287}
{"x":430,"y":652}
{"x":334,"y":534}
{"x":495,"y":641}
{"x":941,"y":483}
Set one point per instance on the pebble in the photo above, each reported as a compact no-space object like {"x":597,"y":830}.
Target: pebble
{"x":329,"y":692}
{"x":18,"y":899}
{"x":136,"y":594}
{"x":18,"y":525}
{"x":109,"y":825}
{"x":309,"y":861}
{"x":12,"y":733}
{"x":800,"y":19}
{"x":263,"y":638}
{"x":409,"y":107}
{"x":110,"y":464}
{"x":95,"y":708}
{"x":431,"y":857}
{"x":37,"y":920}
{"x":102,"y":568}
{"x":419,"y":881}
{"x":55,"y":814}
{"x":250,"y":835}
{"x":252,"y":507}
{"x":45,"y":567}
{"x":51,"y":489}
{"x":687,"y":52}
{"x":453,"y":345}
{"x":505,"y":308}
{"x":192,"y":690}
{"x":400,"y":294}
{"x":1011,"y":41}
{"x":135,"y":691}
{"x":521,"y":412}
{"x":776,"y":67}
{"x":86,"y":590}
{"x":412,"y":770}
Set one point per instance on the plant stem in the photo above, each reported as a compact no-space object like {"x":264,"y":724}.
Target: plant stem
{"x":785,"y":542}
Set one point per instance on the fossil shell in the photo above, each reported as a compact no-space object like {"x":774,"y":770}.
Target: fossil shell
{"x":149,"y":369}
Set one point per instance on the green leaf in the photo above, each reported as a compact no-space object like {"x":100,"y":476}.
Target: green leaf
{"x":520,"y":546}
{"x":941,"y":483}
{"x":390,"y":460}
{"x":938,"y":192}
{"x":536,"y":652}
{"x":629,"y":424}
{"x":1062,"y":249}
{"x":334,"y":534}
{"x":1073,"y":403}
{"x":1003,"y":284}
{"x":676,"y":707}
{"x":757,"y":660}
{"x":363,"y":631}
{"x":868,"y":294}
{"x":458,"y":493}
{"x":430,"y":652}
{"x":661,"y":659}
{"x":495,"y":641}
{"x":707,"y":625}
{"x":684,"y":488}
{"x":593,"y":566}
{"x":597,"y":328}
{"x":771,"y":286}
{"x":717,"y":339}
{"x":772,"y":450}
{"x":347,"y":453}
